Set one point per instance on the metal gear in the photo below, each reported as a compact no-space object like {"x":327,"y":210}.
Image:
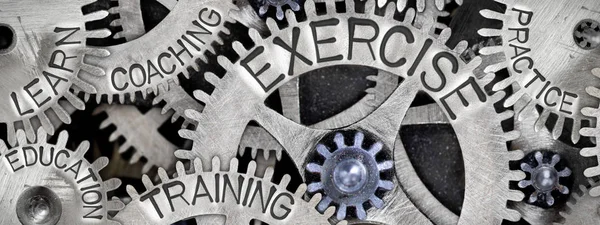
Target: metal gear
{"x":46,"y":183}
{"x":187,"y":33}
{"x":531,"y":141}
{"x":249,"y":82}
{"x":140,"y":131}
{"x":581,"y":208}
{"x":215,"y":191}
{"x":544,"y":177}
{"x":350,"y":176}
{"x":545,"y":60}
{"x":43,"y":57}
{"x":278,"y":4}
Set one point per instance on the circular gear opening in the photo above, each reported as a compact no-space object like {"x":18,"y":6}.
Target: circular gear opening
{"x":39,"y":205}
{"x":587,"y":34}
{"x":8,"y":38}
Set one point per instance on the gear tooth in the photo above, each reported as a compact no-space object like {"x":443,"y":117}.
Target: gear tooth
{"x":63,"y":136}
{"x":444,"y":36}
{"x":111,"y":184}
{"x":99,"y":98}
{"x":114,"y":135}
{"x":197,"y":165}
{"x":251,"y":171}
{"x":147,"y":182}
{"x":271,"y":24}
{"x":285,"y":180}
{"x":512,"y":135}
{"x":41,"y":135}
{"x":99,"y":163}
{"x":409,"y":17}
{"x":162,"y":174}
{"x":290,"y":16}
{"x":381,"y":3}
{"x":115,"y":204}
{"x":330,"y":6}
{"x":11,"y":134}
{"x":187,"y":134}
{"x":46,"y":123}
{"x":301,"y":190}
{"x":439,"y":4}
{"x":558,"y":127}
{"x":255,"y":36}
{"x":461,"y":46}
{"x":592,"y":171}
{"x":595,"y":192}
{"x":233,"y":165}
{"x":310,"y":8}
{"x":314,"y":201}
{"x":180,"y":168}
{"x":63,"y":115}
{"x":98,"y":15}
{"x":117,"y":23}
{"x":488,"y":32}
{"x":29,"y":132}
{"x":132,"y":192}
{"x":575,"y":136}
{"x":370,"y":7}
{"x":341,"y":212}
{"x":512,"y":215}
{"x":135,"y":157}
{"x":216,"y":164}
{"x":124,"y":147}
{"x":268,"y":173}
{"x":185,"y":154}
{"x":329,"y":211}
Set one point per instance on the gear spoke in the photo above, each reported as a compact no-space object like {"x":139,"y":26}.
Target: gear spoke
{"x":296,"y":139}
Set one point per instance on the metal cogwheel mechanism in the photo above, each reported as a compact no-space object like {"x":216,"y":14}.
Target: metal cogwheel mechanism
{"x":42,"y":58}
{"x":424,"y":65}
{"x":150,"y":144}
{"x":240,"y":197}
{"x":185,"y":35}
{"x":593,"y":132}
{"x":45,"y":183}
{"x":550,"y":52}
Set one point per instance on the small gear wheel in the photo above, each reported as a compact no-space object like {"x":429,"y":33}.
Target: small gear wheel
{"x":45,"y":183}
{"x":350,"y":175}
{"x":544,"y":178}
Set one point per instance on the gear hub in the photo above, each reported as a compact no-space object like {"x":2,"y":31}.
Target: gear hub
{"x":350,"y":176}
{"x":587,"y":34}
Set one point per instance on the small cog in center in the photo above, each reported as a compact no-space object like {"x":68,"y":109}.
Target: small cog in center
{"x":351,"y":177}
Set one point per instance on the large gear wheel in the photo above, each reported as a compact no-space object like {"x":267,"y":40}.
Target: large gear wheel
{"x":544,"y":56}
{"x":140,"y":131}
{"x":46,"y":183}
{"x":240,"y":197}
{"x":255,"y":76}
{"x":188,"y":31}
{"x":42,"y":57}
